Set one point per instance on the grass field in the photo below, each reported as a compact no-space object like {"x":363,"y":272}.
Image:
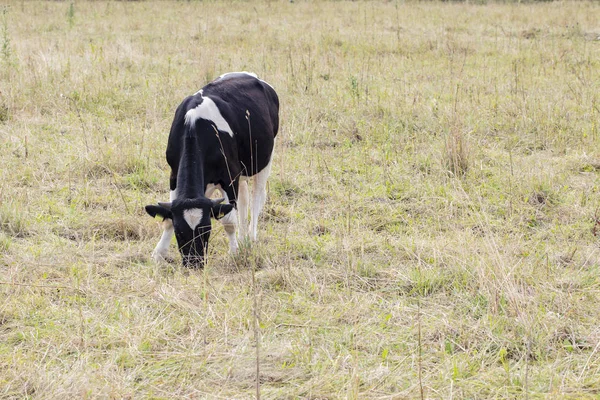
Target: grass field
{"x":431,"y":224}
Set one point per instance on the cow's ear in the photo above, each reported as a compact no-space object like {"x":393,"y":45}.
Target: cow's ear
{"x":159,"y":212}
{"x":218,"y":211}
{"x":165,"y":205}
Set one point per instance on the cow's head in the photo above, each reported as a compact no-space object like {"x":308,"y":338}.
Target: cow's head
{"x":191,"y":222}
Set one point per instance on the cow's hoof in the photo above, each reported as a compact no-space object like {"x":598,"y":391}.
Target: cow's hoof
{"x":161,"y":258}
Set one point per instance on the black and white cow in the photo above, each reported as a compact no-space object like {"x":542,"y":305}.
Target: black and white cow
{"x":220,"y":137}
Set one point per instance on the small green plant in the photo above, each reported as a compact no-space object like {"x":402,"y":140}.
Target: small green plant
{"x":71,"y":14}
{"x":4,"y":112}
{"x":457,"y":155}
{"x":6,"y":49}
{"x":5,"y":242}
{"x":12,"y":221}
{"x":354,"y":87}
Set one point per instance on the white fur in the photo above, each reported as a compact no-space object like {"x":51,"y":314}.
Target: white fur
{"x":259,"y":197}
{"x":266,"y":83}
{"x":162,"y":247}
{"x":252,"y":74}
{"x":193,"y":216}
{"x":210,"y":189}
{"x":243,"y":199}
{"x":208,"y":110}
{"x":229,"y":222}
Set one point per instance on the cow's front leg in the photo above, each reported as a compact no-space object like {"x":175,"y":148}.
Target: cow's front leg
{"x":161,"y":250}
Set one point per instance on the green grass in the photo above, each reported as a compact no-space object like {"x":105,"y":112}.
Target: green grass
{"x":430,"y":224}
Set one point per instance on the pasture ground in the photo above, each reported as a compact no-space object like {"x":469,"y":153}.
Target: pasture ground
{"x":430,"y":228}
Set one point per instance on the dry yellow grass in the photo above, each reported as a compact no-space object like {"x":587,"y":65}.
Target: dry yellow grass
{"x":429,"y":229}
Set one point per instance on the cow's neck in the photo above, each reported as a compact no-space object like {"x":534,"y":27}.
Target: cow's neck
{"x":190,"y":177}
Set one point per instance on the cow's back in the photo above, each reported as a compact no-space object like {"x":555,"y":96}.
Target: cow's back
{"x":251,"y":107}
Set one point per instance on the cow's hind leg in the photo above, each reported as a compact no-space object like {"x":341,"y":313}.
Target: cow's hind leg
{"x":230,"y":220}
{"x":259,"y":197}
{"x":242,"y":205}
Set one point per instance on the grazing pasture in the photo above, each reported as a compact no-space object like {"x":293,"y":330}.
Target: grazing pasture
{"x":431,"y":227}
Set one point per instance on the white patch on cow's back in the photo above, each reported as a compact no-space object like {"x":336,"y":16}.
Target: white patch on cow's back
{"x":267,"y":83}
{"x":208,"y":110}
{"x":192,"y":216}
{"x":252,"y":74}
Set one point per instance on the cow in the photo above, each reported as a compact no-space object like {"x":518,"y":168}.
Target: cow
{"x":220,"y":137}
